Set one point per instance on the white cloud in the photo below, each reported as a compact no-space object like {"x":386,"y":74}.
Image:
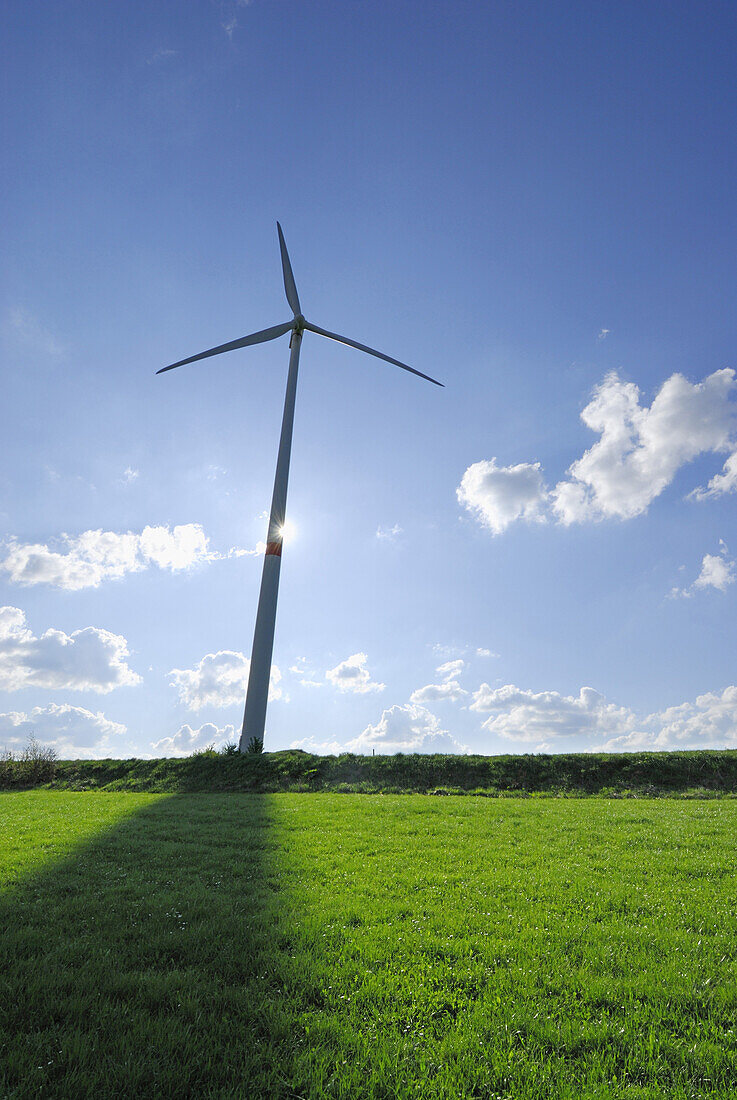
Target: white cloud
{"x":638,"y":454}
{"x":320,"y":748}
{"x":352,"y":675}
{"x":485,"y":653}
{"x":129,"y":476}
{"x":187,"y":740}
{"x":219,"y":680}
{"x":717,"y":571}
{"x":603,"y":333}
{"x":449,"y":669}
{"x":544,"y":721}
{"x":499,"y":495}
{"x":450,"y":691}
{"x":73,"y":731}
{"x":720,"y":484}
{"x":551,"y":722}
{"x":709,"y":723}
{"x":641,"y":449}
{"x":388,"y":534}
{"x":86,"y":560}
{"x":86,"y":660}
{"x":545,"y":716}
{"x":408,"y":728}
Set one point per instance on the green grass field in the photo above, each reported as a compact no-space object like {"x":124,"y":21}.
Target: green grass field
{"x":291,"y":945}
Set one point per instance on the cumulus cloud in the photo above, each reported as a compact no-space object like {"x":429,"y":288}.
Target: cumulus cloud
{"x":717,"y":571}
{"x":73,"y":731}
{"x":538,"y":717}
{"x":708,"y":723}
{"x":499,"y":495}
{"x":219,"y":680}
{"x":187,"y":740}
{"x":90,"y":659}
{"x":86,"y":560}
{"x":640,"y":450}
{"x":548,"y":721}
{"x":551,"y":722}
{"x":352,"y":675}
{"x":407,"y":728}
{"x":448,"y":689}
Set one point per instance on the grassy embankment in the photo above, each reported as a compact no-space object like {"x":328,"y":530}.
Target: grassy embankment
{"x":643,"y":773}
{"x":249,"y":945}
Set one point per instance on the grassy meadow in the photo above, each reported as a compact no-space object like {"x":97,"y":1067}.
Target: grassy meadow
{"x":320,"y":945}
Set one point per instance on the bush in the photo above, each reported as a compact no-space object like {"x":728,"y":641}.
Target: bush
{"x":229,"y":749}
{"x":255,"y":745}
{"x":34,"y":764}
{"x":7,"y":761}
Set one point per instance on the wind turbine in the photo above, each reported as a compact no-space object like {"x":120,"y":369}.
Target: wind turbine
{"x":263,"y":636}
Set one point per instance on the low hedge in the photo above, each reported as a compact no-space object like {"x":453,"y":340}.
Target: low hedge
{"x":638,"y":773}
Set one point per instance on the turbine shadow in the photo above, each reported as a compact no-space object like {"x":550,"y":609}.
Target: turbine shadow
{"x":151,"y":961}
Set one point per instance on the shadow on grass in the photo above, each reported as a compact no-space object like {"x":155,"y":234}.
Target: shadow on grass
{"x":153,"y":961}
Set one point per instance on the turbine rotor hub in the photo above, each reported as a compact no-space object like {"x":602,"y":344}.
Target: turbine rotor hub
{"x":299,"y":323}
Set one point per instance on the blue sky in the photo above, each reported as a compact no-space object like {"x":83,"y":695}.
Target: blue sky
{"x":533,"y":203}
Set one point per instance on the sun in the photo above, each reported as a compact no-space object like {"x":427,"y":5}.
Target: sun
{"x":288,"y":531}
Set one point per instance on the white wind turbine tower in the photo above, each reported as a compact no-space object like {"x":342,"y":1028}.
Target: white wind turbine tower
{"x":263,"y":635}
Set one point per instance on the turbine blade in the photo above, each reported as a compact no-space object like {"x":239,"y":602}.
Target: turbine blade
{"x":244,"y":342}
{"x":289,"y":284}
{"x":371,"y":351}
